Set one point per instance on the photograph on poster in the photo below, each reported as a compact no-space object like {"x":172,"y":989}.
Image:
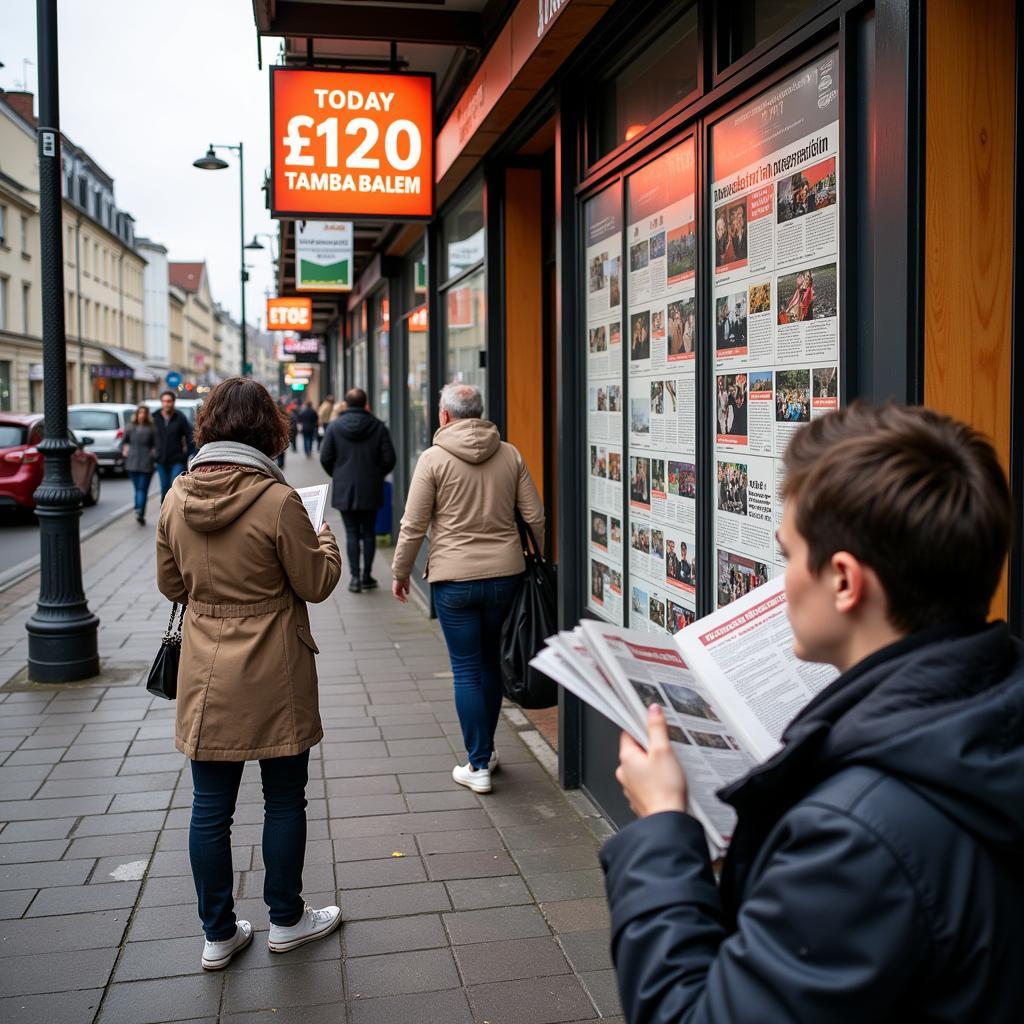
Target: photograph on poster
{"x":615,"y":466}
{"x":615,"y":398}
{"x":638,"y":603}
{"x":640,"y":538}
{"x":639,"y":254}
{"x":598,"y":461}
{"x":671,"y":398}
{"x":731,"y":235}
{"x":657,"y":612}
{"x":598,"y":278}
{"x":615,"y":581}
{"x":616,"y":530}
{"x":678,"y":567}
{"x":640,"y":481}
{"x":599,"y":530}
{"x":731,"y":322}
{"x":658,"y":476}
{"x":658,"y":323}
{"x":682,"y":250}
{"x":792,"y":396}
{"x":808,"y":294}
{"x":731,"y":407}
{"x":614,"y":286}
{"x":678,"y":617}
{"x":682,"y":326}
{"x":599,"y":399}
{"x":640,"y":415}
{"x":640,"y":335}
{"x":682,"y":480}
{"x":658,"y":245}
{"x":598,"y":570}
{"x":688,"y":701}
{"x":808,"y":190}
{"x":826,"y":382}
{"x":615,"y":334}
{"x":761,"y":381}
{"x":759,"y":298}
{"x":658,"y":397}
{"x":657,"y":543}
{"x":737,"y":576}
{"x":732,"y":488}
{"x":598,"y":339}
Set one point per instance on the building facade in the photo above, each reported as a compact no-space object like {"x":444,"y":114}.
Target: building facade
{"x":199,"y":353}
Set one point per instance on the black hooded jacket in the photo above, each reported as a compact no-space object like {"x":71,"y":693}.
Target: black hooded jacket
{"x":358,"y":454}
{"x":876,"y":872}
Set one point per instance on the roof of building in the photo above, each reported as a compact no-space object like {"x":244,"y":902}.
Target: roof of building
{"x":186,"y":276}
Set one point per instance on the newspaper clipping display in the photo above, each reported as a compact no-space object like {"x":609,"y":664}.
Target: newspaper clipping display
{"x":661,"y":391}
{"x":775,"y":258}
{"x":603,"y":340}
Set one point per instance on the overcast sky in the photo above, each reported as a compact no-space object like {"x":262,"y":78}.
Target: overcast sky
{"x":145,"y":85}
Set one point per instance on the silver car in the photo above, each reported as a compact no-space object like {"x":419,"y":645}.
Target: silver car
{"x":105,"y":423}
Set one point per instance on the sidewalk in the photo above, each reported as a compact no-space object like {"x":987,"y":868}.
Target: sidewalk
{"x":459,"y":908}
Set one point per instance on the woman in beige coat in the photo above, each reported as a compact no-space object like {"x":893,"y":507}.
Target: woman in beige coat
{"x":466,"y":490}
{"x":235,"y":542}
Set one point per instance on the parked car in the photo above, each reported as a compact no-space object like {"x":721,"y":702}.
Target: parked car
{"x":188,"y":406}
{"x":21,"y":462}
{"x":105,"y":423}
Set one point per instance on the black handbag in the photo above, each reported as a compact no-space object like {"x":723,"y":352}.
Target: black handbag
{"x":163,"y":676}
{"x":532,"y":618}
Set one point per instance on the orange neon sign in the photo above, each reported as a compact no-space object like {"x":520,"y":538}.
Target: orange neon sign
{"x":290,"y":314}
{"x":351,"y":144}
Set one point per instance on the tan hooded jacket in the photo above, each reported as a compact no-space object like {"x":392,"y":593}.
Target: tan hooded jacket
{"x":240,"y":546}
{"x":466,"y":489}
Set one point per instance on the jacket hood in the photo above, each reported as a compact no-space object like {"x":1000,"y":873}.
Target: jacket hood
{"x":357,"y":424}
{"x":216,"y":498}
{"x":472,"y":441}
{"x":945,"y":715}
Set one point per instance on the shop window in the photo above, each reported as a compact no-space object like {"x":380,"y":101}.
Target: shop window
{"x":5,"y":386}
{"x":463,"y":231}
{"x":418,"y":387}
{"x":464,"y":326}
{"x":382,"y":354}
{"x":635,"y":94}
{"x":745,"y":24}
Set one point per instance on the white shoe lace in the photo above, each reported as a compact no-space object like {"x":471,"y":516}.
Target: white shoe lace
{"x":318,"y":916}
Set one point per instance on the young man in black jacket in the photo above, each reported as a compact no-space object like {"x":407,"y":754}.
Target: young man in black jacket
{"x":876,"y":872}
{"x":172,"y":438}
{"x":357,"y":453}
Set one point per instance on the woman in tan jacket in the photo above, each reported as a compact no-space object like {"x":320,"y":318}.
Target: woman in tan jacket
{"x":235,"y":542}
{"x":466,"y":490}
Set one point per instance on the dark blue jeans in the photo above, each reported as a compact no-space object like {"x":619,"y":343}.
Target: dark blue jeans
{"x":471,"y":614}
{"x":140,"y":481}
{"x":168,"y":474}
{"x":215,"y":790}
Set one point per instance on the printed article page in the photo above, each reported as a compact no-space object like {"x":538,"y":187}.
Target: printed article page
{"x":314,"y":500}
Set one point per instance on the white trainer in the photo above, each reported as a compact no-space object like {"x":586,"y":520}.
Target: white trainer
{"x":217,"y":955}
{"x":493,"y":763}
{"x":476,"y":779}
{"x":313,"y":925}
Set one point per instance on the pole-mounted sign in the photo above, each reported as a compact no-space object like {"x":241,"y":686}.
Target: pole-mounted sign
{"x":290,"y":313}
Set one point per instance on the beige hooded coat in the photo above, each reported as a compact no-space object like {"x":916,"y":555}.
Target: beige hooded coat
{"x":466,"y":489}
{"x":240,"y":546}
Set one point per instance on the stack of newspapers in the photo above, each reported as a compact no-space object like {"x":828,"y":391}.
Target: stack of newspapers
{"x":729,"y":684}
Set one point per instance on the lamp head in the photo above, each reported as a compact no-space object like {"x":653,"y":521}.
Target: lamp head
{"x":210,"y":162}
{"x":255,"y":243}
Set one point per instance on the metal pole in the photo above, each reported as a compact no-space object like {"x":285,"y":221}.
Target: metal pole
{"x":241,"y":225}
{"x":62,"y":644}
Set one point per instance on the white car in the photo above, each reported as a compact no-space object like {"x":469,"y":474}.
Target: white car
{"x":105,"y":423}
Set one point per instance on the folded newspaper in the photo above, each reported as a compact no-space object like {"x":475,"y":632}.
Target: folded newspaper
{"x":729,"y":684}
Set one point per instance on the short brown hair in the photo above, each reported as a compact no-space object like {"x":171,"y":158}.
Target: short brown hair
{"x":918,"y":496}
{"x":241,"y":410}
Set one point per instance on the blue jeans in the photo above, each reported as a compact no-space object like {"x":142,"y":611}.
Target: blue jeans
{"x":215,"y":790}
{"x":140,"y":481}
{"x":168,"y":474}
{"x":307,"y":442}
{"x":471,"y":614}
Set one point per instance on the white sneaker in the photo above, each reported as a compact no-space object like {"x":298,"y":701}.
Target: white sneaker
{"x":217,"y":955}
{"x":476,"y":779}
{"x":313,"y":925}
{"x":493,"y":764}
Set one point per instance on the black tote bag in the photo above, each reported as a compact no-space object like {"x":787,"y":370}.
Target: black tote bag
{"x":532,"y":618}
{"x":163,"y":676}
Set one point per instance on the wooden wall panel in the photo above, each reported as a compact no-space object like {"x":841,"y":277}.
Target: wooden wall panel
{"x":524,"y":327}
{"x":969,"y":206}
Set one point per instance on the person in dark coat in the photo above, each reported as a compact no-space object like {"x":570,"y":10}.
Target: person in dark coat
{"x":357,"y":453}
{"x":139,"y":451}
{"x":173,"y":436}
{"x":309,"y":424}
{"x":876,"y":870}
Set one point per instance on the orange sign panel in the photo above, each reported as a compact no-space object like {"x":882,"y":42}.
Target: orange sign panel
{"x":351,"y":144}
{"x":290,"y":314}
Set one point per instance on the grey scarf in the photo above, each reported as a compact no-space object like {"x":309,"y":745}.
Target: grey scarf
{"x":236,"y":454}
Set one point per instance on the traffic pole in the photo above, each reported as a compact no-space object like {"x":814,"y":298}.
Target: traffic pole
{"x":62,"y":634}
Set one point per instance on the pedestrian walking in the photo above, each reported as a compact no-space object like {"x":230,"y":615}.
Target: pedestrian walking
{"x":139,"y":453}
{"x":172,"y":440}
{"x":235,"y":542}
{"x":466,"y":490}
{"x":293,"y":425}
{"x":309,"y":423}
{"x":357,"y":454}
{"x":874,"y":872}
{"x":323,"y":415}
{"x":339,"y":408}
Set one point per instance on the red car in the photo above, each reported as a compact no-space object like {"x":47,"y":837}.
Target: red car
{"x":21,"y":462}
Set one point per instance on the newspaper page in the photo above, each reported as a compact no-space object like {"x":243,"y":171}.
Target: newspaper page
{"x":314,"y":500}
{"x":649,"y":670}
{"x":775,"y":239}
{"x":744,"y":655}
{"x":661,"y":391}
{"x":603,"y":340}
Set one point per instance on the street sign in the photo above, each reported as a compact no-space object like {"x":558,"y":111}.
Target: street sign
{"x":293,"y":313}
{"x":323,"y":256}
{"x":173,"y":379}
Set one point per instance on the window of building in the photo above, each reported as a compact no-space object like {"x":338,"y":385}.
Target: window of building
{"x":26,"y":298}
{"x":5,"y":386}
{"x":746,"y":24}
{"x":416,"y":393}
{"x":3,"y":303}
{"x":464,"y":234}
{"x":83,"y":193}
{"x":636,"y":93}
{"x":359,"y":350}
{"x":3,"y":225}
{"x":381,"y":397}
{"x":24,"y":235}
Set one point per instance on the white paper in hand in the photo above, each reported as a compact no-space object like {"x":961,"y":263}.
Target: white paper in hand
{"x":315,"y":501}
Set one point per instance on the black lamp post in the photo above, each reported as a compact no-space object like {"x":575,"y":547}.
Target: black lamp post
{"x":211,"y":162}
{"x":62,"y":641}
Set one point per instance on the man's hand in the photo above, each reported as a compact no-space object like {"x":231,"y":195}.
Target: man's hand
{"x":325,"y":527}
{"x":400,"y":588}
{"x":652,"y":780}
